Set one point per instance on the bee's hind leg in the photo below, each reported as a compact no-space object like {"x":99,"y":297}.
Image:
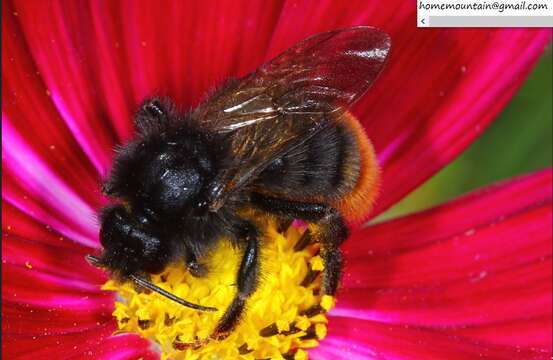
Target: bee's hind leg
{"x":246,"y":281}
{"x":331,"y":232}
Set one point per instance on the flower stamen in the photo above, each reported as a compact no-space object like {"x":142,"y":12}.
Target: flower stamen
{"x":285,"y":316}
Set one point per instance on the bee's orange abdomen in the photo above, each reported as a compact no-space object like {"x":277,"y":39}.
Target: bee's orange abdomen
{"x":356,"y":204}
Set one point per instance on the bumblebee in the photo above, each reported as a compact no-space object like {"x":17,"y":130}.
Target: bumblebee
{"x":279,"y":142}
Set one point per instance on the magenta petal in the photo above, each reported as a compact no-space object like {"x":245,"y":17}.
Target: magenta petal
{"x":96,"y":343}
{"x":478,"y":267}
{"x":54,"y":264}
{"x":27,"y":103}
{"x":96,"y":76}
{"x":21,"y":319}
{"x":452,"y":218}
{"x":58,"y":57}
{"x":46,"y":197}
{"x":59,"y":332}
{"x":487,"y":305}
{"x":441,"y":106}
{"x":121,"y":347}
{"x":55,"y":347}
{"x":30,"y":286}
{"x":19,"y":223}
{"x":359,"y":339}
{"x":170,"y":45}
{"x":50,"y":261}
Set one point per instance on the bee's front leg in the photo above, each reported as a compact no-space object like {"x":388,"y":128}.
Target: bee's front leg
{"x":246,"y":281}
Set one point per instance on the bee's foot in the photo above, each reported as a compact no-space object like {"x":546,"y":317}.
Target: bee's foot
{"x":194,"y":345}
{"x":196,"y":269}
{"x":220,"y":335}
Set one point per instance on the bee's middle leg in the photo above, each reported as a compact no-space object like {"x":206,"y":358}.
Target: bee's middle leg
{"x":246,"y":281}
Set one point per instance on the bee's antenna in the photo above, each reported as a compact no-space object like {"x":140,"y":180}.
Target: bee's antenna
{"x":95,"y":261}
{"x":148,"y":285}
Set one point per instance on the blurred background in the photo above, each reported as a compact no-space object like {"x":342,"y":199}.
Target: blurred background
{"x":518,"y":142}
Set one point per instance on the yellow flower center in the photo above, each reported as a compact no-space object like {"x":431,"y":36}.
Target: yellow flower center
{"x":285,"y":316}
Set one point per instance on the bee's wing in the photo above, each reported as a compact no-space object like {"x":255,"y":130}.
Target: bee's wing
{"x":289,"y":98}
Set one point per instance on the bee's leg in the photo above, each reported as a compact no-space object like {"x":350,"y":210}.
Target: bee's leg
{"x":246,"y":281}
{"x":195,"y":268}
{"x":331,"y":232}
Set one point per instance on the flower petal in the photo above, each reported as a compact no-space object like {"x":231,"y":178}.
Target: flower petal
{"x":455,"y":217}
{"x":96,"y":343}
{"x":21,"y":319}
{"x":47,"y":287}
{"x":358,"y":339}
{"x":438,"y":92}
{"x":18,"y":223}
{"x":52,"y":262}
{"x":95,"y":77}
{"x":441,"y":106}
{"x":35,"y":189}
{"x":29,"y":286}
{"x":119,"y":347}
{"x":478,"y":267}
{"x":28,"y":106}
{"x":55,"y":347}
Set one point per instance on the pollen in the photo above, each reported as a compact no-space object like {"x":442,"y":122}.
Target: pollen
{"x":284,"y":317}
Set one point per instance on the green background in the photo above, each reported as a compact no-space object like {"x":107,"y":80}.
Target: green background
{"x":518,"y":142}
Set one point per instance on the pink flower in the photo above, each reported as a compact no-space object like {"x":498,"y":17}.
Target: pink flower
{"x":471,"y":278}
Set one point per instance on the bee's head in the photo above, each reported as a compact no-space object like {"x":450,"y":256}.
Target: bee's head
{"x":131,"y":246}
{"x":156,"y":181}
